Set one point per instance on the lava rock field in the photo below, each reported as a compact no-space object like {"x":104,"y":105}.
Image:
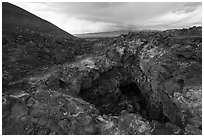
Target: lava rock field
{"x":140,"y":83}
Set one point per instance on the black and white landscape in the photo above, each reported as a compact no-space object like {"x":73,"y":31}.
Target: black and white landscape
{"x":102,"y":68}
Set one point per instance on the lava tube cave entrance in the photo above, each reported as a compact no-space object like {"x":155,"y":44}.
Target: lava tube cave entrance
{"x":135,"y":97}
{"x":129,"y":98}
{"x":141,"y":103}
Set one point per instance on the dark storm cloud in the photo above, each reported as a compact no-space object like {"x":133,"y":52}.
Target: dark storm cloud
{"x":79,"y":17}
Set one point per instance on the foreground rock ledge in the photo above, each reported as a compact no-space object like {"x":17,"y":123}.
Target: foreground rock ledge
{"x":140,"y":83}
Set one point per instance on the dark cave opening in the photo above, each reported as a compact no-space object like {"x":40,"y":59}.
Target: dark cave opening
{"x":129,"y":98}
{"x":138,"y":98}
{"x":134,"y":94}
{"x":62,"y":84}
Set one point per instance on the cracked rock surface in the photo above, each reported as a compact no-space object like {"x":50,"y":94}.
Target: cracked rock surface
{"x":140,"y":83}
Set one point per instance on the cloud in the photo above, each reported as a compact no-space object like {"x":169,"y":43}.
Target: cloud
{"x":84,"y":26}
{"x":79,"y":17}
{"x":179,"y":19}
{"x":193,"y":4}
{"x":189,"y":7}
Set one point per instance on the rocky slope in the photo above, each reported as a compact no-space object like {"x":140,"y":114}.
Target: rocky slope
{"x":15,"y":18}
{"x":139,"y":83}
{"x":31,"y":44}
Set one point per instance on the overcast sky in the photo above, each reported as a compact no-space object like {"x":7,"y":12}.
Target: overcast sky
{"x":90,"y":17}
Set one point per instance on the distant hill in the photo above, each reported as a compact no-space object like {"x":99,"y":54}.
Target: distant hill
{"x":14,"y":17}
{"x":108,"y":34}
{"x":103,"y":34}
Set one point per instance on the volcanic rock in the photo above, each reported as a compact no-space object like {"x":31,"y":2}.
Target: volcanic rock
{"x":138,"y":83}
